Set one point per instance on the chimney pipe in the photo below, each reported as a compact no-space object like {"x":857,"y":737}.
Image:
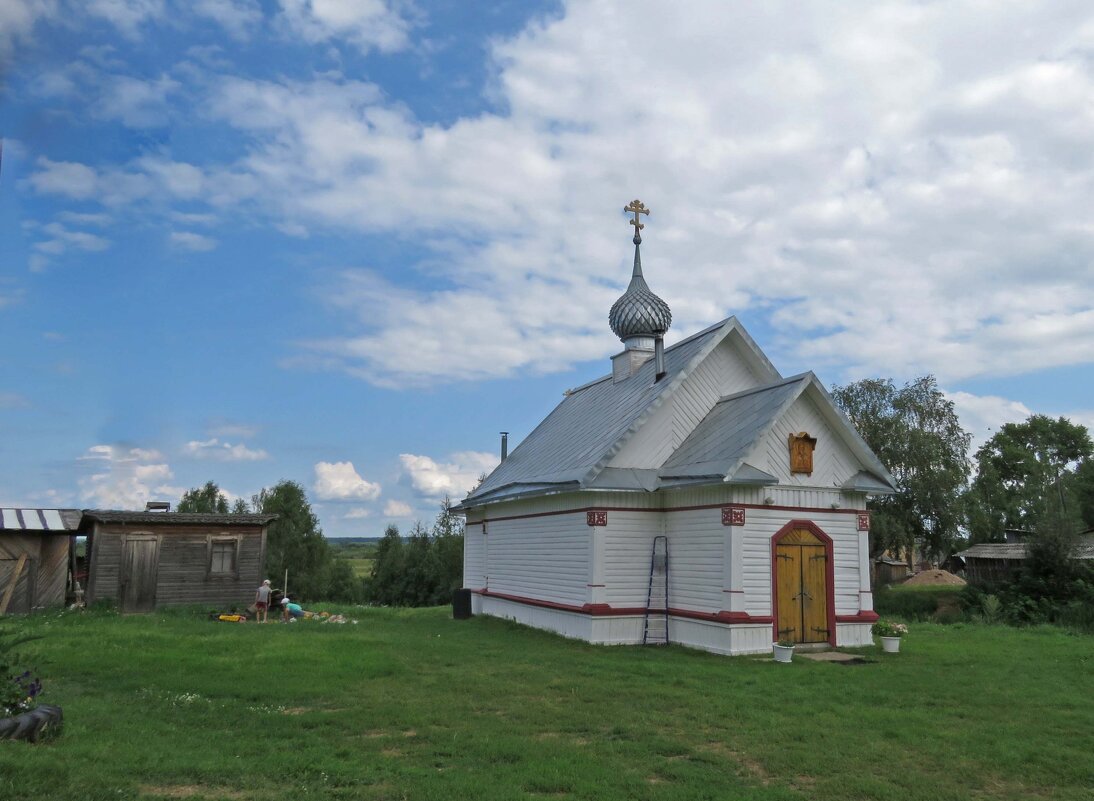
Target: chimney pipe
{"x":504,"y":445}
{"x":659,"y":358}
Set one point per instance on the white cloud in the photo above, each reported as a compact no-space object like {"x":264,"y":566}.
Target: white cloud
{"x":237,"y":17}
{"x":357,"y":513}
{"x":454,"y":478}
{"x":136,"y":103}
{"x":368,"y":24}
{"x":398,"y":509}
{"x":123,"y":477}
{"x":223,"y":451}
{"x":893,"y":190}
{"x":187,"y":240}
{"x":126,"y":15}
{"x":338,"y":481}
{"x":17,"y":21}
{"x":982,"y":415}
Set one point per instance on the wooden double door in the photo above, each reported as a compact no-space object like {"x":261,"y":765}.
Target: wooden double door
{"x":801,"y":587}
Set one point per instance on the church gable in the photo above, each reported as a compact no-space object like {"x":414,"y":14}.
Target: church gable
{"x":733,"y":366}
{"x":805,"y":448}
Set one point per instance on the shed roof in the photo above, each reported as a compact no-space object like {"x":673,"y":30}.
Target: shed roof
{"x":177,"y":518}
{"x":1084,"y":549}
{"x":46,"y":521}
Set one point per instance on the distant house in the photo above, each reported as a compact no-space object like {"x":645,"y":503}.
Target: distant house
{"x":144,"y":560}
{"x":35,"y":557}
{"x":888,"y":570}
{"x":993,"y":562}
{"x":753,"y":483}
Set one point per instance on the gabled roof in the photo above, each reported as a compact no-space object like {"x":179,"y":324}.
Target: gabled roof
{"x":1083,"y":549}
{"x":574,"y":442}
{"x":572,"y":447}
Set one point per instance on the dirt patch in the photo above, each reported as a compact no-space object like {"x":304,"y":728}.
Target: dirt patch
{"x":392,"y":753}
{"x":935,"y":578}
{"x":295,"y":710}
{"x":749,"y":766}
{"x":190,"y":791}
{"x":372,"y":735}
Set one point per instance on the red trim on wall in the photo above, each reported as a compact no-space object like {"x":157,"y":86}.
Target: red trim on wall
{"x":606,"y":610}
{"x":862,"y":617}
{"x":587,"y":509}
{"x":829,"y":576}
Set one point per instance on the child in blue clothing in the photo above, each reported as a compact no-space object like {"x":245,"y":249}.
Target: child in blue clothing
{"x":290,"y":611}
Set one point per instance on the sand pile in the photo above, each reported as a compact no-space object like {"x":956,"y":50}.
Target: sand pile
{"x":935,"y":578}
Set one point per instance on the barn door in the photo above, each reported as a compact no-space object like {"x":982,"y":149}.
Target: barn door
{"x":801,"y":587}
{"x":15,"y":584}
{"x":140,"y":560}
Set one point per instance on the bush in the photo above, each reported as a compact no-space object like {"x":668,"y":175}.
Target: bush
{"x":19,"y":688}
{"x":911,"y":604}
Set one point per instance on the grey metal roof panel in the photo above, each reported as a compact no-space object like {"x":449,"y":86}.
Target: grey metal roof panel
{"x":625,"y":478}
{"x":583,"y":428}
{"x":731,"y":429}
{"x":1084,"y":549}
{"x":747,"y":474}
{"x":863,"y":481}
{"x":44,"y":521}
{"x":177,"y":518}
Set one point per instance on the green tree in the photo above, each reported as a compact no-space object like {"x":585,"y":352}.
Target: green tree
{"x":208,"y":499}
{"x":1024,"y":469}
{"x":915,"y":432}
{"x":240,"y":507}
{"x":448,"y":531}
{"x":294,"y":540}
{"x":387,"y":580}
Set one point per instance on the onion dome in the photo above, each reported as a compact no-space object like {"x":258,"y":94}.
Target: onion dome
{"x":639,"y":312}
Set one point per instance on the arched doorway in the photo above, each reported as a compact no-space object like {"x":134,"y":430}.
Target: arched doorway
{"x":802,"y":584}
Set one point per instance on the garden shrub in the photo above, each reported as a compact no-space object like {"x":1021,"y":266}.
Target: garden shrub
{"x":19,"y":688}
{"x":914,"y":604}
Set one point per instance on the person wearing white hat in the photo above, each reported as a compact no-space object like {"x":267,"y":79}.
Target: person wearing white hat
{"x":290,"y":611}
{"x":262,"y":602}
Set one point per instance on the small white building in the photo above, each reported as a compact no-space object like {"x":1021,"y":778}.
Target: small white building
{"x":757,"y":482}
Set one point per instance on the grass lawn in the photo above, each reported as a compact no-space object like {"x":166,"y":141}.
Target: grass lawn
{"x":413,"y":705}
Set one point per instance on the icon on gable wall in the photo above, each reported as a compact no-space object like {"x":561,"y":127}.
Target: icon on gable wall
{"x":801,"y":452}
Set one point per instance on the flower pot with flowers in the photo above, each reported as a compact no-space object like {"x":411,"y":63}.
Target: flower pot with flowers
{"x":783,"y":650}
{"x":890,"y":634}
{"x":22,"y":716}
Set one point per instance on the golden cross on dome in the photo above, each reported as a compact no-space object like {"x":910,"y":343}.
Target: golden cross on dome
{"x":636,"y":207}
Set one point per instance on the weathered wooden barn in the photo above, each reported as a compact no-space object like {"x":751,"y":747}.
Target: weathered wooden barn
{"x":997,"y":562}
{"x":35,"y":557}
{"x":756,"y":482}
{"x":144,"y":560}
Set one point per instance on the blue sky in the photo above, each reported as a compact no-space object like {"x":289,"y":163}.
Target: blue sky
{"x":346,"y":243}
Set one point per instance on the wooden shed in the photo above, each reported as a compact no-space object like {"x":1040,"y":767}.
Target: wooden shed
{"x":35,"y":557}
{"x":144,"y":560}
{"x":997,"y":562}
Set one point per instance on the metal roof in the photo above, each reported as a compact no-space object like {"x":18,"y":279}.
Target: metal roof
{"x":1084,"y":549}
{"x":571,"y":448}
{"x":43,"y":520}
{"x":574,"y":442}
{"x":177,"y":518}
{"x":731,"y":429}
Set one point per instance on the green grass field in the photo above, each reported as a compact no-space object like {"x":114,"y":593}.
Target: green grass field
{"x":413,"y":705}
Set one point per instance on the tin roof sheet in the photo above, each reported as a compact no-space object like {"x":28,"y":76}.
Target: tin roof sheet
{"x":39,"y":520}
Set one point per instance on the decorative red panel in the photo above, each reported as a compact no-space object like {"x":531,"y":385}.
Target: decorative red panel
{"x":596,"y":518}
{"x":733,"y":516}
{"x":864,"y":522}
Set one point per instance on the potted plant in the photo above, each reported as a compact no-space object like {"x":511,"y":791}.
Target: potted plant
{"x":783,"y":650}
{"x":890,"y":634}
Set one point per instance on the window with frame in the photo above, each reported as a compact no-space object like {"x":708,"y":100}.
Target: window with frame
{"x":223,"y":555}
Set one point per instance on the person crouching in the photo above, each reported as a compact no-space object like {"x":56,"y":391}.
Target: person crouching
{"x":290,"y":611}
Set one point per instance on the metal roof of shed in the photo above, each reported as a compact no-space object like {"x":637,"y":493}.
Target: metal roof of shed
{"x":177,"y":518}
{"x":1084,"y":549}
{"x":39,"y":520}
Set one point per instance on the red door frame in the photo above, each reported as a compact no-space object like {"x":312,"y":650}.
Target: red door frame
{"x":829,"y":576}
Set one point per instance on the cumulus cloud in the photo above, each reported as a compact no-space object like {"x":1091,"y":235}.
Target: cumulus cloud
{"x":223,"y":451}
{"x":238,"y":17}
{"x":17,"y":21}
{"x":455,"y":477}
{"x":368,"y":24}
{"x":982,"y":415}
{"x":121,"y":477}
{"x":398,"y":509}
{"x":187,"y":240}
{"x":357,"y":513}
{"x":891,"y":190}
{"x":338,"y":481}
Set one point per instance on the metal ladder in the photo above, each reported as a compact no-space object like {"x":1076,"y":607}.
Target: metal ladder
{"x":656,"y":631}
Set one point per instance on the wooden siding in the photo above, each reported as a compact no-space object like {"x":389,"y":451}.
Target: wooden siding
{"x":833,"y":462}
{"x":626,"y":553}
{"x":182,"y":570}
{"x":762,"y":526}
{"x":722,"y":373}
{"x":547,"y":558}
{"x":474,"y":557}
{"x":696,"y":560}
{"x":44,"y":576}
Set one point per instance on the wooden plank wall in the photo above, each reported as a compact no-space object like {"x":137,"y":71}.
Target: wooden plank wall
{"x":43,"y":579}
{"x":540,"y":557}
{"x":183,"y":564}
